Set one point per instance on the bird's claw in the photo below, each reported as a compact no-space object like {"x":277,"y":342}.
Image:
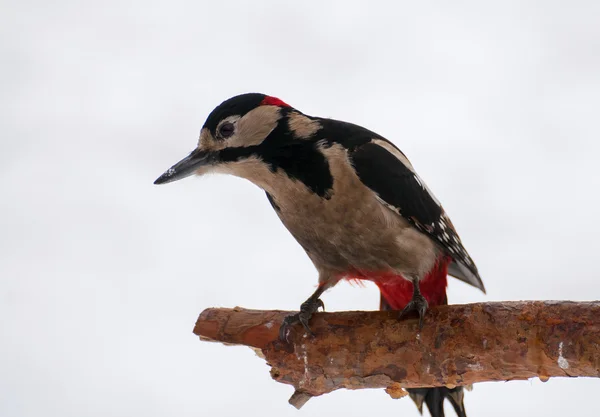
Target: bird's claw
{"x":419,"y":304}
{"x":307,"y":309}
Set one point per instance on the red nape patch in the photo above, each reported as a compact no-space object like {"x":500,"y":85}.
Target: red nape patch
{"x":397,"y":291}
{"x":273,"y":101}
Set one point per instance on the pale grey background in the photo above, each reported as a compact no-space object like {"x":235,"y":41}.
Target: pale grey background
{"x":102,"y":274}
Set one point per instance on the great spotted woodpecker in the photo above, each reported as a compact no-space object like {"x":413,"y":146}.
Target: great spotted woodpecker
{"x":350,"y":197}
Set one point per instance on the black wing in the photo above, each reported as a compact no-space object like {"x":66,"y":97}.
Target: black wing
{"x":401,"y":189}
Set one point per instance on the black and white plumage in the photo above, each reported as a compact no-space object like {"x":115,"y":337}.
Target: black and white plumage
{"x":349,"y":197}
{"x":403,"y":191}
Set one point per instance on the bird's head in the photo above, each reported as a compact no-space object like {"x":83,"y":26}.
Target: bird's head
{"x":243,"y":127}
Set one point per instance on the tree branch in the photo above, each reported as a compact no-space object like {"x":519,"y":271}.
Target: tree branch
{"x":459,"y":345}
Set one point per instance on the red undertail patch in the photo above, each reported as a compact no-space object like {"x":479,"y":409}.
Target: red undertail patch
{"x":273,"y":101}
{"x":397,"y":291}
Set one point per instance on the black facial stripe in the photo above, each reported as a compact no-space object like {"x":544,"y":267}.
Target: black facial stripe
{"x":235,"y":154}
{"x":300,"y":160}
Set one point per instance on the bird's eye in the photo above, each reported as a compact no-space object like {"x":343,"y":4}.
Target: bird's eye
{"x":226,"y":130}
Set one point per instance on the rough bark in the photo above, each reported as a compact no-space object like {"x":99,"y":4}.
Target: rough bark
{"x":459,"y":345}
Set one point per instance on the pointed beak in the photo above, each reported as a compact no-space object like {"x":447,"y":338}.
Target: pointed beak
{"x":184,"y":168}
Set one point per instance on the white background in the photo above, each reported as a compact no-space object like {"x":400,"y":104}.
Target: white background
{"x":102,"y":274}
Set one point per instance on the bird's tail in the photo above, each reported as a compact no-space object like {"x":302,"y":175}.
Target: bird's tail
{"x":434,"y":398}
{"x":396,"y":300}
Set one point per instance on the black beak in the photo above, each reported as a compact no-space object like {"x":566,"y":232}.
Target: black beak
{"x":185,"y":167}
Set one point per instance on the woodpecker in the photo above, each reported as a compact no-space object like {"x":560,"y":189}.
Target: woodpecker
{"x":351,"y":199}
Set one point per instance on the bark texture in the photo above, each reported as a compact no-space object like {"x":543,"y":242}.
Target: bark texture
{"x":459,"y":345}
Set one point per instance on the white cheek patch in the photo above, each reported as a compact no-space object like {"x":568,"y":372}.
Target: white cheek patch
{"x":254,"y":127}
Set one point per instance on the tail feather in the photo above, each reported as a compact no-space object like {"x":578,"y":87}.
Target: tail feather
{"x":434,"y":399}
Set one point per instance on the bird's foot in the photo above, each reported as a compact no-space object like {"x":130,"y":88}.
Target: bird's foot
{"x":419,"y":304}
{"x":307,"y":309}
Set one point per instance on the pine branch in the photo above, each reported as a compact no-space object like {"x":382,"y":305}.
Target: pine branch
{"x":459,"y":345}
